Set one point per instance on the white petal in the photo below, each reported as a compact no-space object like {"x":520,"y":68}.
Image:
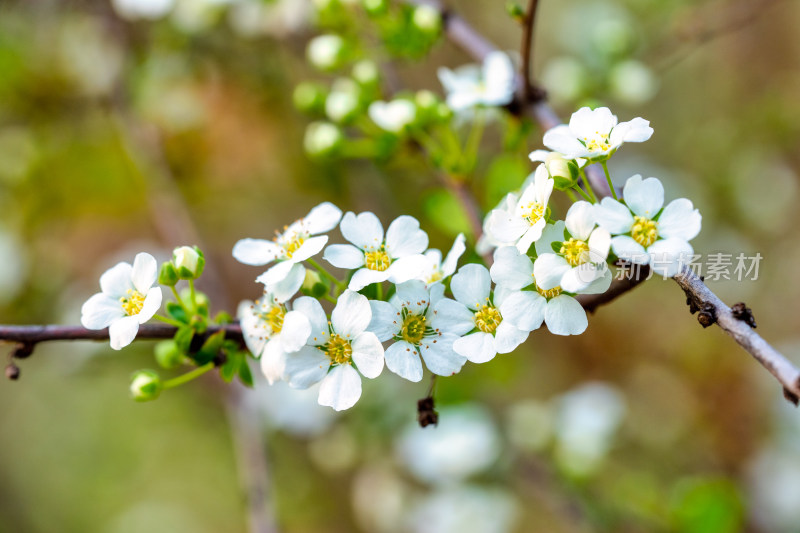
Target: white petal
{"x":145,"y":272}
{"x":316,"y":316}
{"x":413,"y":295}
{"x":613,"y":216}
{"x":286,"y":288}
{"x":498,"y":76}
{"x":539,"y":156}
{"x":256,"y":252}
{"x":478,"y":347}
{"x":560,"y":139}
{"x":402,"y":359}
{"x":121,"y":332}
{"x":364,"y":230}
{"x":275,"y":274}
{"x":407,"y":268}
{"x":100,"y":311}
{"x":404,"y":238}
{"x":251,"y":330}
{"x":644,"y":197}
{"x":626,"y":248}
{"x":344,"y":256}
{"x":306,"y":367}
{"x":533,"y":234}
{"x":586,"y":122}
{"x":456,"y":251}
{"x":503,"y":226}
{"x":117,"y":280}
{"x":680,"y":220}
{"x":565,"y":316}
{"x":273,"y":360}
{"x":322,"y":218}
{"x":352,"y":314}
{"x":668,"y":256}
{"x":524,"y":309}
{"x":386,"y":320}
{"x":551,"y":233}
{"x":634,"y":131}
{"x":471,"y":285}
{"x":581,"y":276}
{"x":599,"y":244}
{"x":439,"y":356}
{"x":549,"y":269}
{"x":508,"y":337}
{"x":341,"y":388}
{"x":511,"y":268}
{"x":295,"y":331}
{"x":309,"y":248}
{"x":599,"y":285}
{"x":151,"y":305}
{"x":368,"y":354}
{"x":365,"y":276}
{"x":451,"y":317}
{"x":580,"y":220}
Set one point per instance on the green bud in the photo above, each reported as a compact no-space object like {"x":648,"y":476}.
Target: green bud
{"x":443,"y":112}
{"x":309,"y":97}
{"x":342,"y":103}
{"x":564,"y":172}
{"x":427,"y":19}
{"x":376,"y":7}
{"x":326,"y":52}
{"x":366,"y":72}
{"x":314,"y":285}
{"x":145,"y":385}
{"x":322,"y":139}
{"x":188,"y":262}
{"x":426,"y":100}
{"x":168,"y":355}
{"x":168,"y":275}
{"x":515,"y":10}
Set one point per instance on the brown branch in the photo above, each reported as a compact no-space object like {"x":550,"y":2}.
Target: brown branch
{"x":619,"y":286}
{"x":529,"y":91}
{"x":36,"y":334}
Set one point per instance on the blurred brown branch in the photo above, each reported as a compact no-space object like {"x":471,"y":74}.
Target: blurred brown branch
{"x":36,"y":334}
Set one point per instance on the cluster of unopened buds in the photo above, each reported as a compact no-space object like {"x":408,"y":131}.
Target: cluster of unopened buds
{"x":400,"y":304}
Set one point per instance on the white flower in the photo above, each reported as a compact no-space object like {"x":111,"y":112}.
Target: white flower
{"x":322,"y":138}
{"x":334,"y":348}
{"x":555,"y":162}
{"x":128,"y":299}
{"x":595,"y":134}
{"x":644,"y":232}
{"x":398,"y":258}
{"x":471,"y":85}
{"x":297,"y":243}
{"x":527,"y":309}
{"x":471,"y":287}
{"x":486,"y":243}
{"x":523,"y":223}
{"x":437,"y":270}
{"x":580,"y":260}
{"x":393,"y":116}
{"x":142,"y":9}
{"x":271,"y":330}
{"x":427,"y":18}
{"x":420,"y":323}
{"x":325,"y":51}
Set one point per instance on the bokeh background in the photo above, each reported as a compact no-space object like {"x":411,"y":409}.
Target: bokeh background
{"x":126,"y":128}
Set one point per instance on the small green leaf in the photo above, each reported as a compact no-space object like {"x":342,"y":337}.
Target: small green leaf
{"x":245,"y":376}
{"x":183,"y":338}
{"x":175,"y":311}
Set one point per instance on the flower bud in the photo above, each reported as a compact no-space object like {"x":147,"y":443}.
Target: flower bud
{"x":426,"y":100}
{"x":145,"y":385}
{"x":376,"y":7}
{"x":168,"y":275}
{"x":366,"y":72}
{"x":563,"y":173}
{"x":427,"y":19}
{"x":341,"y":104}
{"x":322,"y":139}
{"x":168,"y":355}
{"x":313,"y":284}
{"x":326,"y":52}
{"x":309,"y":97}
{"x":188,"y":261}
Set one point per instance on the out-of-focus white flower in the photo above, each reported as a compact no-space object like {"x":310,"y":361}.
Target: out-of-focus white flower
{"x":128,"y":299}
{"x":633,"y":82}
{"x":142,"y":9}
{"x":646,"y":234}
{"x":341,"y":105}
{"x":396,"y":258}
{"x":366,"y":72}
{"x":325,"y":51}
{"x":595,"y":134}
{"x":322,"y":138}
{"x":380,"y":499}
{"x":491,"y":84}
{"x":427,"y":18}
{"x":523,"y":224}
{"x":530,"y":425}
{"x":465,"y":509}
{"x":332,"y":349}
{"x":439,"y":270}
{"x":587,"y":420}
{"x":565,"y":79}
{"x":292,"y":410}
{"x":421,"y":323}
{"x":394,"y":116}
{"x":298,"y":242}
{"x":464,"y":443}
{"x":280,"y":18}
{"x":471,"y":287}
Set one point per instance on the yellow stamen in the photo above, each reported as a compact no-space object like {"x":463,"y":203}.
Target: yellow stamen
{"x":644,"y":231}
{"x":377,"y":259}
{"x":576,"y":252}
{"x":274,"y":318}
{"x":599,"y":143}
{"x":413,"y":328}
{"x":487,"y":318}
{"x":535,"y":212}
{"x":133,"y":303}
{"x":338,"y":349}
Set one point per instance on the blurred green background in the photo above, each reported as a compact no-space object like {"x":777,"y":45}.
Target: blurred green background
{"x":116,"y":123}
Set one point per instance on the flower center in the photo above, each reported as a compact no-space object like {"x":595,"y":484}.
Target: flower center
{"x":338,"y":349}
{"x":377,"y":259}
{"x":413,"y":328}
{"x":132,"y":303}
{"x":274,"y":318}
{"x":549,"y":293}
{"x":435,"y":276}
{"x":487,"y":318}
{"x":644,"y":231}
{"x":535,"y":212}
{"x":576,"y":252}
{"x":599,"y":143}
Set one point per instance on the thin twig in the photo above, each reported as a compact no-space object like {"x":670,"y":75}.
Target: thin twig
{"x":37,"y":334}
{"x":526,"y":50}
